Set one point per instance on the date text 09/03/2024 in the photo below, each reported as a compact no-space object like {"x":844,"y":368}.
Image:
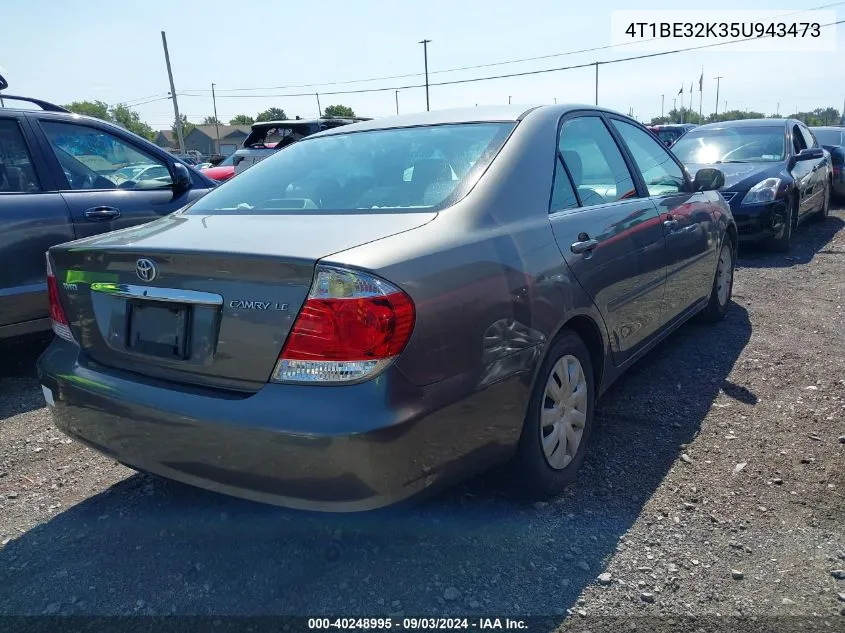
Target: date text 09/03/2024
{"x":410,"y":624}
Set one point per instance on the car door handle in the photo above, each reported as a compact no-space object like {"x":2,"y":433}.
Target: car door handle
{"x":102,"y":213}
{"x":584,"y":246}
{"x":670,"y":225}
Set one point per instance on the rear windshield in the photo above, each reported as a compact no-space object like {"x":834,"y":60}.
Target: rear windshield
{"x":402,"y":168}
{"x":828,"y":137}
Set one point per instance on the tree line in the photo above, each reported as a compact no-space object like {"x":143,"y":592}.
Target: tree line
{"x":819,"y":116}
{"x":131,"y":120}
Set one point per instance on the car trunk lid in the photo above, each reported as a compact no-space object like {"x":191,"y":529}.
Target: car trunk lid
{"x":207,"y":300}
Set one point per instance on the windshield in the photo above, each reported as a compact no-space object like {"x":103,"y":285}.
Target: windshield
{"x":402,"y":168}
{"x":731,"y":145}
{"x":828,"y":137}
{"x":668,"y":136}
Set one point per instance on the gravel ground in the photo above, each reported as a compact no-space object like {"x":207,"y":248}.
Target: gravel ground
{"x":714,"y":485}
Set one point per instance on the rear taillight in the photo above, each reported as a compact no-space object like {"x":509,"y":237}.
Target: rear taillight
{"x":58,"y":318}
{"x":352,"y":326}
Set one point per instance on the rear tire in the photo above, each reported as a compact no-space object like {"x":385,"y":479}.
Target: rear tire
{"x":783,"y":242}
{"x":559,"y":420}
{"x":723,"y":282}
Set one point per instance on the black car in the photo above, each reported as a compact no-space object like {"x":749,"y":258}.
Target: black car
{"x":776,"y":173}
{"x":64,"y":176}
{"x":670,"y":133}
{"x":833,"y":140}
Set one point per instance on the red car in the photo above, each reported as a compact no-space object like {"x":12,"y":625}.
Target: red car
{"x":224,"y":170}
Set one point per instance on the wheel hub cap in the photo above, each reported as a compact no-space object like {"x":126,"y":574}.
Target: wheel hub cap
{"x":564,"y":412}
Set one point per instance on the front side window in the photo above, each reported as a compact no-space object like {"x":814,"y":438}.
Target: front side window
{"x":661,"y":174}
{"x":94,"y":159}
{"x":753,"y":144}
{"x":798,"y":142}
{"x":808,"y":137}
{"x":402,"y":168}
{"x":594,"y":161}
{"x":17,"y":175}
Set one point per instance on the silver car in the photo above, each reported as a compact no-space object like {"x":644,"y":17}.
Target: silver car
{"x":388,"y":306}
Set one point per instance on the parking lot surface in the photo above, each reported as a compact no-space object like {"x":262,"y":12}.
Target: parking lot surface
{"x":714,"y":485}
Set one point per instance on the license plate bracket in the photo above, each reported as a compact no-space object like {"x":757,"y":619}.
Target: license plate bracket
{"x":158,"y":328}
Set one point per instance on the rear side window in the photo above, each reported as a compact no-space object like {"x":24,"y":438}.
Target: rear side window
{"x":17,"y":174}
{"x":404,"y":168}
{"x":661,"y":174}
{"x":594,"y":161}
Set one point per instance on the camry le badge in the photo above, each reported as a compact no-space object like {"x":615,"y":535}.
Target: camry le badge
{"x":145,"y":269}
{"x":257,"y":305}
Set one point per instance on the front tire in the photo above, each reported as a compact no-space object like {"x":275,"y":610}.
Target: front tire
{"x":783,"y":242}
{"x":723,"y":282}
{"x":559,"y":420}
{"x":824,"y":212}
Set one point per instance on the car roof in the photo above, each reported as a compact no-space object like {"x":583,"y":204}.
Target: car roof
{"x":745,"y":123}
{"x":830,"y":128}
{"x":482,"y":114}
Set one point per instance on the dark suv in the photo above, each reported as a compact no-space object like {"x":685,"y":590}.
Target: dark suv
{"x":64,"y":176}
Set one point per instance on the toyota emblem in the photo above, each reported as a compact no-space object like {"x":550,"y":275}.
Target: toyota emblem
{"x":145,"y":269}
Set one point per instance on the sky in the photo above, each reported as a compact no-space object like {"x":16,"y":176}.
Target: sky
{"x":112,"y":52}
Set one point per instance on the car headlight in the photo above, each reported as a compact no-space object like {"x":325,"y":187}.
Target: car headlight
{"x":764,"y":191}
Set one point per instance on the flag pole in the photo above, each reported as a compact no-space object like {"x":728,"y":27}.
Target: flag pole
{"x":701,"y":97}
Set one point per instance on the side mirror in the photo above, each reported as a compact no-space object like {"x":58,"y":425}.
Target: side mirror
{"x":237,"y":160}
{"x":708,"y":180}
{"x":812,"y":153}
{"x":182,"y":180}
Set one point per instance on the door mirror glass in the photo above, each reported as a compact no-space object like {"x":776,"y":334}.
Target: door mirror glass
{"x":183,"y":180}
{"x":709,"y":180}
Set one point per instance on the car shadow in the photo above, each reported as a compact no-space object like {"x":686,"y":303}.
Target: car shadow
{"x":18,"y":378}
{"x":810,"y":239}
{"x":148,"y":546}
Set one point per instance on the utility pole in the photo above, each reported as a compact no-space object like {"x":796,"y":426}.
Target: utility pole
{"x":675,"y":105}
{"x":179,"y":135}
{"x":555,"y":100}
{"x":718,"y":79}
{"x":319,"y":109}
{"x":509,"y":99}
{"x":777,"y":109}
{"x":216,"y":122}
{"x":662,"y":101}
{"x":425,"y":56}
{"x":397,"y":103}
{"x":597,"y":83}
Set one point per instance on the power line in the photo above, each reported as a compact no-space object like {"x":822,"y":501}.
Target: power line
{"x":502,"y":76}
{"x":475,"y":66}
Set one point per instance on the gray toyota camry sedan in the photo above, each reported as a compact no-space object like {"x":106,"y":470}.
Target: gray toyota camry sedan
{"x":388,"y":306}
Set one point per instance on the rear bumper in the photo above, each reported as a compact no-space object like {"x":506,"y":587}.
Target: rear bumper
{"x":347,"y":448}
{"x":758,"y":222}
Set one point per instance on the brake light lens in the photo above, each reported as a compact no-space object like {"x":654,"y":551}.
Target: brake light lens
{"x":352,"y":327}
{"x":58,"y":318}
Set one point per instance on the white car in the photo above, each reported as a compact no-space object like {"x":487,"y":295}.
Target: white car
{"x":268,"y":137}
